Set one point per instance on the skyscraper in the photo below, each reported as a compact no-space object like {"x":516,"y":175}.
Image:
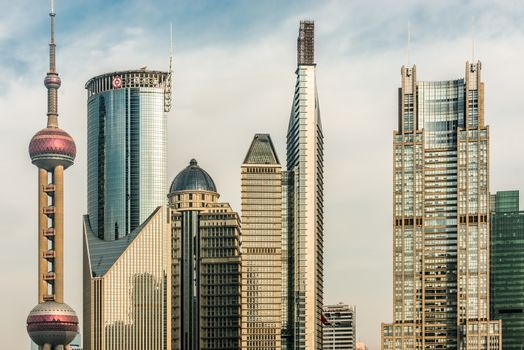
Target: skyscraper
{"x":305,"y":211}
{"x":507,"y":267}
{"x":127,"y":288}
{"x":51,"y":324}
{"x":261,"y":197}
{"x":206,"y":264}
{"x":126,"y":149}
{"x":440,"y":217}
{"x":339,"y":322}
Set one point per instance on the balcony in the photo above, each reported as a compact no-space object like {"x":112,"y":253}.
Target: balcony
{"x":49,"y":254}
{"x":49,"y":189}
{"x":49,"y":211}
{"x":49,"y":232}
{"x":49,"y":297}
{"x":49,"y":276}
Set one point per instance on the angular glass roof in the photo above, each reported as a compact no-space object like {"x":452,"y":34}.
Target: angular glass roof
{"x":261,"y":151}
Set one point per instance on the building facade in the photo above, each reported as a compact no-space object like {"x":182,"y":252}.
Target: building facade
{"x":261,"y":198}
{"x":440,"y":217}
{"x":51,"y":324}
{"x":127,"y":302}
{"x":339,"y":323}
{"x":305,"y":201}
{"x":126,"y":149}
{"x":507,"y":267}
{"x":205,"y":264}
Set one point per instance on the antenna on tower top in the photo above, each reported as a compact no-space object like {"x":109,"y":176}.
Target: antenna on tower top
{"x":52,"y":6}
{"x":168,"y":87}
{"x":409,"y":43}
{"x":473,"y":39}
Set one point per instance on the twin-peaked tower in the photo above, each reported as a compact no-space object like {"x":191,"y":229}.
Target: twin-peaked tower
{"x":52,"y":324}
{"x":441,"y":217}
{"x":304,"y":211}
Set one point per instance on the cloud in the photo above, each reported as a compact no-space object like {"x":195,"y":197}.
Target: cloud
{"x":234,"y":76}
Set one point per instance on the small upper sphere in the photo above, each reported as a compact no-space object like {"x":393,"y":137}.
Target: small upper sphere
{"x":52,"y":323}
{"x":51,"y":147}
{"x":193,"y":178}
{"x":52,"y":81}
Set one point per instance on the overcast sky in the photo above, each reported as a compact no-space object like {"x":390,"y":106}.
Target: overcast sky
{"x":234,"y":76}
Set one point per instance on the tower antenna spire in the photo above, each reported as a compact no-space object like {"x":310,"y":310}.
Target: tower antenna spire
{"x":167,"y":90}
{"x":473,"y":39}
{"x":409,"y":44}
{"x":52,"y":80}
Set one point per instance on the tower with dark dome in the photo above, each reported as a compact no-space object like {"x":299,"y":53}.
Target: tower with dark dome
{"x":206,"y":264}
{"x":52,"y":324}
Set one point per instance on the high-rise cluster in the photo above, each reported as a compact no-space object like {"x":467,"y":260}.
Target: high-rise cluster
{"x":185,"y":276}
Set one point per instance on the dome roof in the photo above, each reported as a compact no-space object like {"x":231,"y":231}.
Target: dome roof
{"x":51,"y":147}
{"x":193,"y":178}
{"x":52,"y":323}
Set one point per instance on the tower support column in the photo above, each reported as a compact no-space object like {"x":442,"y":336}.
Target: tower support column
{"x":58,"y":180}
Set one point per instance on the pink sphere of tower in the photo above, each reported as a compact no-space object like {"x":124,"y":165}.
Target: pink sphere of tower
{"x":51,"y":147}
{"x":52,"y":323}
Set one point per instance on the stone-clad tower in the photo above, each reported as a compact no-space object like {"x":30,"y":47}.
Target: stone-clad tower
{"x":52,"y":324}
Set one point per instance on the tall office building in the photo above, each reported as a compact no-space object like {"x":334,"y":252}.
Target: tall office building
{"x":339,"y":322}
{"x":127,"y":288}
{"x":206,"y":264}
{"x":440,"y":217}
{"x":305,"y":212}
{"x":261,"y":197}
{"x":126,"y":149}
{"x":507,"y":267}
{"x":51,"y":324}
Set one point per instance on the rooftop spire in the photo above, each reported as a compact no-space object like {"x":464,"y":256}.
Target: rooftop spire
{"x":167,"y":92}
{"x":52,"y":80}
{"x":306,"y":43}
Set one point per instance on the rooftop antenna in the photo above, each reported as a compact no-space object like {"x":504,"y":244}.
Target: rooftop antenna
{"x":473,"y":39}
{"x":409,"y":43}
{"x":167,"y":92}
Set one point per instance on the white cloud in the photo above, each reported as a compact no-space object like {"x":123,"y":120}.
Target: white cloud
{"x":225,"y":91}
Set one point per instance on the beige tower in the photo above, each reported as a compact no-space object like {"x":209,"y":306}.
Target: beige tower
{"x":261,"y":246}
{"x":206,"y":264}
{"x":440,"y":217}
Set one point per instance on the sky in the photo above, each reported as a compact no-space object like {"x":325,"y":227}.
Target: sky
{"x":234,"y":64}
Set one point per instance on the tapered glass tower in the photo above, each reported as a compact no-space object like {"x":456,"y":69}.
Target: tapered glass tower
{"x":51,"y":324}
{"x":261,"y":196}
{"x":305,"y":211}
{"x":441,"y":217}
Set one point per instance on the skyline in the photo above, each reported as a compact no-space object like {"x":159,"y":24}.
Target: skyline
{"x":189,"y":114}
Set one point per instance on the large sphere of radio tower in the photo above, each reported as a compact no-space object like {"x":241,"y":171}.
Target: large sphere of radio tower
{"x":52,"y":323}
{"x":51,"y":147}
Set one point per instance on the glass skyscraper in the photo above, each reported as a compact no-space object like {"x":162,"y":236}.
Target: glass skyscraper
{"x":507,"y":267}
{"x":205,"y":264}
{"x":261,"y":197}
{"x":441,"y":217}
{"x":126,"y":149}
{"x":305,"y":203}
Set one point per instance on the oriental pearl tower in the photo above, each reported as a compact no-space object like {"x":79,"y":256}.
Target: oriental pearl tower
{"x":52,"y":324}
